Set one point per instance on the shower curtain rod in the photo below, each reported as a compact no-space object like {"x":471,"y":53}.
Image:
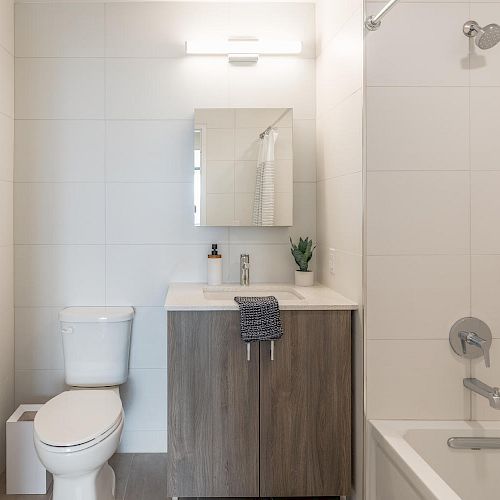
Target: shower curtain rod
{"x":268,"y":129}
{"x":373,"y":23}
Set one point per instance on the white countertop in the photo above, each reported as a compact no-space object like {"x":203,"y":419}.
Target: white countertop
{"x":191,"y":297}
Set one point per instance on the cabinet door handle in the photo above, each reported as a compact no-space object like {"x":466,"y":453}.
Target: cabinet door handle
{"x":248,"y":351}
{"x":272,"y":350}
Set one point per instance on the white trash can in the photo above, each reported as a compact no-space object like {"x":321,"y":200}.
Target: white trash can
{"x":25,"y":473}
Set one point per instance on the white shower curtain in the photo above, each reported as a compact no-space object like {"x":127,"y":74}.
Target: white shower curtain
{"x":263,"y":206}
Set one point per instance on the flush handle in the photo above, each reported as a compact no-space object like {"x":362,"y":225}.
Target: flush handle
{"x":66,"y":331}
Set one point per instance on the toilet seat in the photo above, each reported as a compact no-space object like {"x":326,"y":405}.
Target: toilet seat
{"x":76,"y":420}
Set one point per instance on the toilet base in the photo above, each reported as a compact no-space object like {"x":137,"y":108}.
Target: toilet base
{"x":94,"y":485}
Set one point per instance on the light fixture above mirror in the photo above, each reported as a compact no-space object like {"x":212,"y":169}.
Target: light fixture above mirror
{"x":243,"y":49}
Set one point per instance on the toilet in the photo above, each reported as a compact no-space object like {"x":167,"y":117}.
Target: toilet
{"x":77,"y":432}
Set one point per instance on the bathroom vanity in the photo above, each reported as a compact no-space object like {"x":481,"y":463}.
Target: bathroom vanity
{"x":265,"y":423}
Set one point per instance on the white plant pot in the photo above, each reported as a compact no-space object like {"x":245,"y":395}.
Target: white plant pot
{"x":304,"y":278}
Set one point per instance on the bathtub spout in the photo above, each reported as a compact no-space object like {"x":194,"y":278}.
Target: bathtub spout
{"x":491,"y":393}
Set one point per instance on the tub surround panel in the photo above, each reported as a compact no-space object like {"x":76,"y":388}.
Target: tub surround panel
{"x":104,"y":120}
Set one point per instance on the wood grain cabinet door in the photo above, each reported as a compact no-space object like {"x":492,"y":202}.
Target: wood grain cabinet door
{"x":213,"y":415}
{"x":305,"y":407}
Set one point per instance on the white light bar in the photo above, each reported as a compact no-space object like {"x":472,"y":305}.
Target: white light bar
{"x":243,"y":47}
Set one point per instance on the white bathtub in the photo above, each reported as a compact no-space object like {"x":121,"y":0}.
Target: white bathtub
{"x":410,"y":460}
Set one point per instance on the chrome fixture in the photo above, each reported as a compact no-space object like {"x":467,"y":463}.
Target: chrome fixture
{"x":492,"y":394}
{"x":470,"y":338}
{"x":485,"y":38}
{"x":244,"y":269}
{"x":372,"y":23}
{"x":474,"y":443}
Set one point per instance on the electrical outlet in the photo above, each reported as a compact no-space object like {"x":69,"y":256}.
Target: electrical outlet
{"x":331,"y":260}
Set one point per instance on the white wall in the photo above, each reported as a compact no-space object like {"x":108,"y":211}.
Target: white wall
{"x":339,"y":110}
{"x":433,"y":187}
{"x":103,"y":194}
{"x":6,"y":218}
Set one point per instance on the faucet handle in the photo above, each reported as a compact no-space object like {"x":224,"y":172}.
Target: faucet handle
{"x":471,"y":338}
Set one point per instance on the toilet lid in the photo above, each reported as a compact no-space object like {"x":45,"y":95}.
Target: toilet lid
{"x":77,"y":417}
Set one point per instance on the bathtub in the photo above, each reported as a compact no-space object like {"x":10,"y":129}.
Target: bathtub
{"x":410,"y":460}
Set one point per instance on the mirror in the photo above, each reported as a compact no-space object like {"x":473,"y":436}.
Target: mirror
{"x":243,"y":167}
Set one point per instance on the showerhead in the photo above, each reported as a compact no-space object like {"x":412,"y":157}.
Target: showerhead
{"x":485,"y":38}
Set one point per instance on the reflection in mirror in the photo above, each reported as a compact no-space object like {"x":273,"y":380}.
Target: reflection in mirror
{"x":243,"y":167}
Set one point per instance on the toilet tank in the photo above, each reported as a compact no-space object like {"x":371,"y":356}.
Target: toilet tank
{"x":96,"y":345}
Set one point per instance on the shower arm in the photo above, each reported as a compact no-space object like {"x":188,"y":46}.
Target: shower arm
{"x":372,"y":23}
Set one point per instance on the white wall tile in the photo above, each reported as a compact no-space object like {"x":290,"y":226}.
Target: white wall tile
{"x":272,"y":21}
{"x":402,"y":381}
{"x":38,"y":386}
{"x":485,"y":207}
{"x":215,"y":117}
{"x":6,"y":148}
{"x":399,"y":55}
{"x":38,"y":339}
{"x":149,"y":151}
{"x":145,"y":441}
{"x":140,"y":274}
{"x":262,"y":86}
{"x":340,"y":138}
{"x":399,"y":116}
{"x":144,"y":398}
{"x":60,"y":88}
{"x":340,"y":196}
{"x":165,"y":88}
{"x":169,"y":25}
{"x":330,"y":17}
{"x":52,"y":275}
{"x":6,"y":83}
{"x":268,"y":263}
{"x":60,"y":30}
{"x":263,"y":117}
{"x":149,"y":338}
{"x":485,"y":289}
{"x":347,"y":275}
{"x":432,"y":215}
{"x":155,"y":213}
{"x":7,"y":25}
{"x":6,"y":211}
{"x":484,"y":112}
{"x":59,"y":150}
{"x":7,"y":281}
{"x":417,"y":297}
{"x":59,"y":213}
{"x":339,"y":68}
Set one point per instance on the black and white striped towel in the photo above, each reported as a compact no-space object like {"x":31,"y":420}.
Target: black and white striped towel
{"x":259,"y":318}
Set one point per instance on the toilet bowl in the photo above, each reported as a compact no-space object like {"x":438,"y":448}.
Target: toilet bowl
{"x":78,"y":431}
{"x":75,"y":434}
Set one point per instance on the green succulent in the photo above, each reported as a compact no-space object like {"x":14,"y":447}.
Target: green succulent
{"x":303,"y":252}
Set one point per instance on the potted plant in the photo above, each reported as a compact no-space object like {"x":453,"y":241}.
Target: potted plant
{"x":302,"y":253}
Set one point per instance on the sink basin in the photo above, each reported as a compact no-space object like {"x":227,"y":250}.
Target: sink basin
{"x":230,"y":292}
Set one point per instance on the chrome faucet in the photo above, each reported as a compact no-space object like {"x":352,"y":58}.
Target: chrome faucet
{"x":492,"y":394}
{"x":471,"y":338}
{"x":244,"y":269}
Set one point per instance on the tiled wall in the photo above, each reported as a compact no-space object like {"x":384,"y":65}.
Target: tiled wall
{"x":433,"y":208}
{"x":339,"y":107}
{"x":104,"y":196}
{"x":6,"y":218}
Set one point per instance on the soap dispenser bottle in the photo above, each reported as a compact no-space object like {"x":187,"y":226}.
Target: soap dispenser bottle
{"x":214,"y":267}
